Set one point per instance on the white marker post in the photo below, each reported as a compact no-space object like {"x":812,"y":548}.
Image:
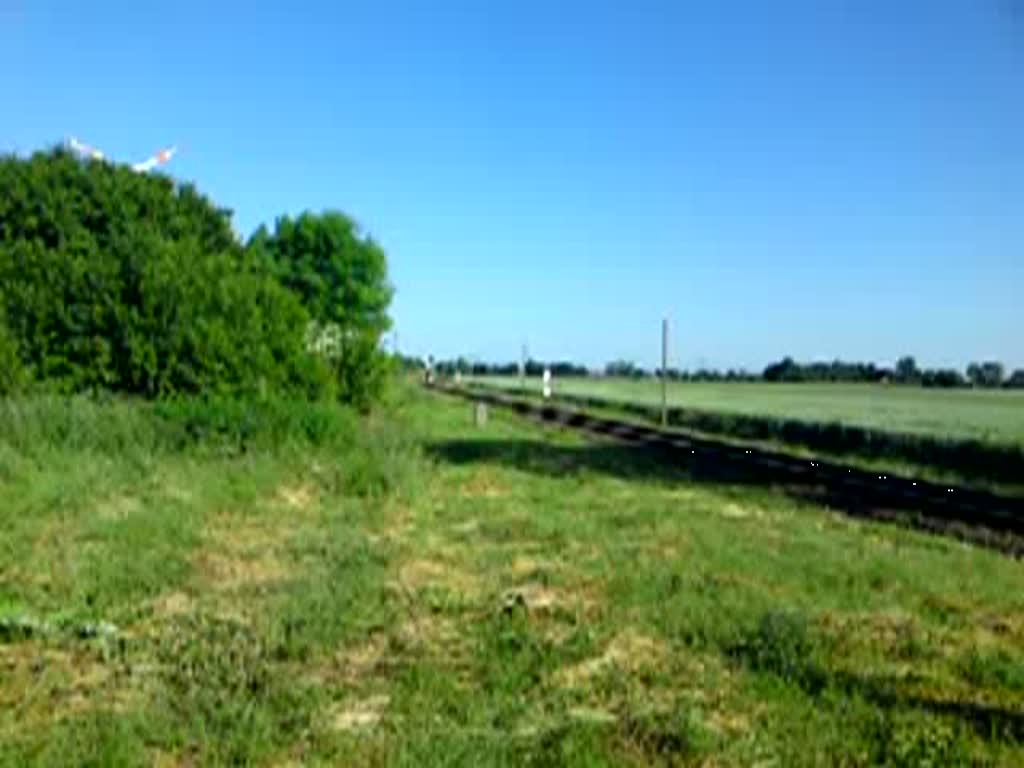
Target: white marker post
{"x":547,"y":383}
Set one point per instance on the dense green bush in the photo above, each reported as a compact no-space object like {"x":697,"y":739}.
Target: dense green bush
{"x":122,"y":281}
{"x":34,"y":426}
{"x":340,"y":277}
{"x":12,"y":374}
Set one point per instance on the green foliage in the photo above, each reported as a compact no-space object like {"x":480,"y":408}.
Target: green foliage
{"x":340,"y":277}
{"x":12,"y":373}
{"x":536,"y":600}
{"x":361,"y":371}
{"x":226,"y":694}
{"x":910,"y":739}
{"x":906,"y":370}
{"x":993,"y":670}
{"x":781,"y":644}
{"x":35,"y":427}
{"x":123,"y":281}
{"x":987,"y":374}
{"x":339,"y":274}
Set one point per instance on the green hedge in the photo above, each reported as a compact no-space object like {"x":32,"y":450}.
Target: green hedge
{"x":125,"y":282}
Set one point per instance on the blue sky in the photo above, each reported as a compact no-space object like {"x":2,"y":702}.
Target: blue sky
{"x":823,"y":178}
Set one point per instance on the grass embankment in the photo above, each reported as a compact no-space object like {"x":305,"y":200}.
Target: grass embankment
{"x":960,"y":436}
{"x":281,"y":584}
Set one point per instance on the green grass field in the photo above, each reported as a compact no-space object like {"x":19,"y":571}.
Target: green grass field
{"x":409,"y":589}
{"x":990,"y":415}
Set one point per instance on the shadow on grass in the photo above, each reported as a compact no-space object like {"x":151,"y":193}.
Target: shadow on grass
{"x":989,"y":721}
{"x":644,"y":462}
{"x":784,"y":645}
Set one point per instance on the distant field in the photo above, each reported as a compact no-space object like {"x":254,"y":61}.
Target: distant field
{"x":991,"y":415}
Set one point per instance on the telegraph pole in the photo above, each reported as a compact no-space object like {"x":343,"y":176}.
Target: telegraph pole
{"x":522,"y":369}
{"x":664,"y":372}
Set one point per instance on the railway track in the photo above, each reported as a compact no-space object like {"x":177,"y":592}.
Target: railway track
{"x":970,"y":514}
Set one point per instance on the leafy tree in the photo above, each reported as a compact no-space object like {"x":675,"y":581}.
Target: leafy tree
{"x":784,"y":370}
{"x":987,"y":374}
{"x":12,"y":373}
{"x":944,"y":378}
{"x":125,"y":281}
{"x":624,"y":368}
{"x":340,"y":277}
{"x":906,"y":370}
{"x":339,"y":274}
{"x":1016,"y":380}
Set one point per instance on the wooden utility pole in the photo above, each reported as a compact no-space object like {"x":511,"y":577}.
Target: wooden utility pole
{"x":664,"y":372}
{"x":522,"y":370}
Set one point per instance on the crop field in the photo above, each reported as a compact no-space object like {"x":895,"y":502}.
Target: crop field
{"x":989,"y":415}
{"x":293,"y":584}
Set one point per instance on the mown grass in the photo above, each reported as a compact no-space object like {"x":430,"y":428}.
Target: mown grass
{"x":408,"y":589}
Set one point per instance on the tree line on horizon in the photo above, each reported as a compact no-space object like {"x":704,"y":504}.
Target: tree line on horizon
{"x":983,"y":374}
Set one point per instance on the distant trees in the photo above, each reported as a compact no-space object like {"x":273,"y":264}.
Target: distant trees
{"x":944,"y":378}
{"x":987,"y":374}
{"x":624,"y":369}
{"x":837,"y":370}
{"x":905,"y":372}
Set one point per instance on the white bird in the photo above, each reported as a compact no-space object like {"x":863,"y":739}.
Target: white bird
{"x":160,"y":158}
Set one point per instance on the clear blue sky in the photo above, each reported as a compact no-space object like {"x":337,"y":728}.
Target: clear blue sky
{"x":822,"y":178}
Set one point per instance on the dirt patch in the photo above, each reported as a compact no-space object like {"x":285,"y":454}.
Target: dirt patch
{"x":416,"y":575}
{"x":728,"y":723}
{"x":297,"y":497}
{"x":359,"y":715}
{"x":172,"y":604}
{"x":629,"y":651}
{"x":243,"y":552}
{"x":40,"y":681}
{"x":118,"y":507}
{"x":436,"y":638}
{"x":883,"y":626}
{"x":227,"y":572}
{"x":483,"y":485}
{"x":466,"y":528}
{"x":350,"y":667}
{"x":524,"y":566}
{"x":536,"y":598}
{"x":1008,"y":625}
{"x":737,"y":512}
{"x":591,"y":715}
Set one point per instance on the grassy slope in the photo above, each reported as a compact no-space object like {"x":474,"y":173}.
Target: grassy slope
{"x":994,"y":415}
{"x":440,"y":594}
